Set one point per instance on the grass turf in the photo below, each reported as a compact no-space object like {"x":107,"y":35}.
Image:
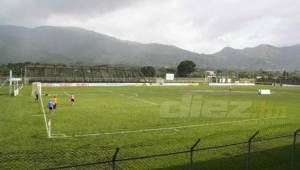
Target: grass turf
{"x":142,"y":121}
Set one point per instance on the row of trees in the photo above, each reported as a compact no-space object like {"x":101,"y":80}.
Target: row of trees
{"x":184,"y":69}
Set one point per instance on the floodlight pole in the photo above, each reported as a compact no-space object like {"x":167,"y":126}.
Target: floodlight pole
{"x":191,"y":153}
{"x":296,"y":133}
{"x":249,"y":148}
{"x":114,"y":159}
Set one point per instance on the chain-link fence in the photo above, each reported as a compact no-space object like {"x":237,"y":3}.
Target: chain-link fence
{"x":4,"y":81}
{"x":275,"y":152}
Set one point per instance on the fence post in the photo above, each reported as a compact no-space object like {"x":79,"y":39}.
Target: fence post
{"x":294,"y":149}
{"x":191,"y":153}
{"x":114,"y":159}
{"x":249,"y":148}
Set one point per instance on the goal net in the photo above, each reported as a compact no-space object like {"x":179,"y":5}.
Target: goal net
{"x":36,"y":89}
{"x":15,"y":85}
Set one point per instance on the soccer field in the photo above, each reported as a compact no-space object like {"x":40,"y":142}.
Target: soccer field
{"x":141,"y":121}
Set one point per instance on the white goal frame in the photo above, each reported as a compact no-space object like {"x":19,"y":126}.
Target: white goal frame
{"x":37,"y":89}
{"x":15,"y":85}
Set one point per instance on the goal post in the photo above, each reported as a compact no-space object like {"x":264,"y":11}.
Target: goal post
{"x":10,"y":82}
{"x":15,"y":85}
{"x":36,"y":89}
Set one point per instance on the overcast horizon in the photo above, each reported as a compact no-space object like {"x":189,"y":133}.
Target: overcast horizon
{"x":199,"y":26}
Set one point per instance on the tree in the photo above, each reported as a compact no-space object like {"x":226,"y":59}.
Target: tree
{"x":244,"y":74}
{"x":171,"y":70}
{"x":185,"y":68}
{"x":148,"y":71}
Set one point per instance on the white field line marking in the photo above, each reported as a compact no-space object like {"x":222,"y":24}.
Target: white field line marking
{"x":77,"y":94}
{"x":37,"y":115}
{"x":121,"y":94}
{"x":175,"y":127}
{"x":45,"y":118}
{"x":66,"y":93}
{"x":60,"y":135}
{"x":132,"y":97}
{"x":223,"y":91}
{"x":138,"y":99}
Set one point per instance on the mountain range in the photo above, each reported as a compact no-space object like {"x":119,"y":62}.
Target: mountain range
{"x":71,"y":45}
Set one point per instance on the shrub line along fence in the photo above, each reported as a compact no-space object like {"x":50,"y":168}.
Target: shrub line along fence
{"x":249,"y":142}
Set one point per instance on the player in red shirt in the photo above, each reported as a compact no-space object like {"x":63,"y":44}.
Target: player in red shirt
{"x":72,"y":99}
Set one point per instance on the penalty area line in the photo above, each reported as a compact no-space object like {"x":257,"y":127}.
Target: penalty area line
{"x":36,"y":115}
{"x":132,"y":97}
{"x":47,"y":124}
{"x":60,"y":136}
{"x":66,"y":93}
{"x":174,"y":128}
{"x":138,"y":99}
{"x":121,"y":94}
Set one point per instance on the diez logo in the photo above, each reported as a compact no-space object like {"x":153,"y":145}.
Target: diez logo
{"x":196,"y":105}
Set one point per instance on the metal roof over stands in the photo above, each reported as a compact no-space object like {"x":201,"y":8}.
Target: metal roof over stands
{"x":81,"y":73}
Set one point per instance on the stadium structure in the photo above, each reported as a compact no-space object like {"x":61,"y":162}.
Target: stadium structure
{"x":87,"y":74}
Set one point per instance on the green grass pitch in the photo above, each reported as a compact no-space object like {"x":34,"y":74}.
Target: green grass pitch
{"x":144,"y":121}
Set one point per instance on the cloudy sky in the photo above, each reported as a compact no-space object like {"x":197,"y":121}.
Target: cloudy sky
{"x":203,"y":26}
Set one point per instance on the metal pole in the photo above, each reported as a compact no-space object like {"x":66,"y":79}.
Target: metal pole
{"x":114,"y":159}
{"x":249,"y":148}
{"x":25,"y":75}
{"x":294,"y":149}
{"x":10,"y":82}
{"x":191,"y":153}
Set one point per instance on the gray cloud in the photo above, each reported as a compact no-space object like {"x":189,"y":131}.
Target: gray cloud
{"x":197,"y":25}
{"x":32,"y":12}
